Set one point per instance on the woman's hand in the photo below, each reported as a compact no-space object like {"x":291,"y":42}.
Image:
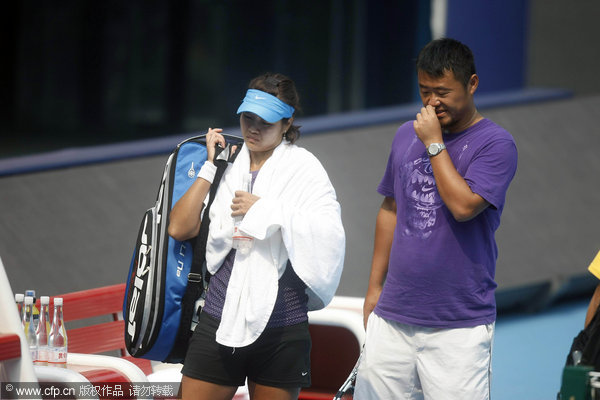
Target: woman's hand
{"x":242,"y":202}
{"x":213,"y":138}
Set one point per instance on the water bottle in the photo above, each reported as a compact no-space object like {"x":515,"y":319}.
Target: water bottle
{"x":35,"y":312}
{"x":242,"y":242}
{"x":29,"y":328}
{"x":42,"y":331}
{"x":57,"y":340}
{"x":19,"y":299}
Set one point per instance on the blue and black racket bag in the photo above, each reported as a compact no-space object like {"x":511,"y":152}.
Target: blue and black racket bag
{"x":167,"y":277}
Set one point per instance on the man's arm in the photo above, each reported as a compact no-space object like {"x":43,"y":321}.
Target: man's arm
{"x":454,"y":190}
{"x":384,"y":234}
{"x":452,"y":187}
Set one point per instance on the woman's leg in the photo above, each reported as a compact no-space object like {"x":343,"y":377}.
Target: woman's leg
{"x":201,"y":390}
{"x":262,"y":392}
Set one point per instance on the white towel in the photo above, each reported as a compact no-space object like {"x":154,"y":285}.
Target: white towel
{"x":297,"y":217}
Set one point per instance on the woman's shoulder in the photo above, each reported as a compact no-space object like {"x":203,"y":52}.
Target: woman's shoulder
{"x":301,"y":153}
{"x":303,"y":160}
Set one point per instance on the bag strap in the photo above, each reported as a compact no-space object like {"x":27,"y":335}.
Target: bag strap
{"x":197,"y":270}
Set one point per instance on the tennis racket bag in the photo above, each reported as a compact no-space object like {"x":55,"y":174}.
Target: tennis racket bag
{"x":167,"y":277}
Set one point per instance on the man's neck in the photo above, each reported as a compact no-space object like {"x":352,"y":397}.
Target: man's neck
{"x":474,"y":118}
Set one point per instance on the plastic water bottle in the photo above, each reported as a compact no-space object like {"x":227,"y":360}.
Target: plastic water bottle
{"x":57,"y":340}
{"x":29,"y":328}
{"x":242,"y":242}
{"x":19,"y":299}
{"x":42,"y":331}
{"x":35,"y":312}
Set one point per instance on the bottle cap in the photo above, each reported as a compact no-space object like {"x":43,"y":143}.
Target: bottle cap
{"x":44,"y":300}
{"x":19,"y":297}
{"x":58,"y":301}
{"x":28,"y":300}
{"x":30,"y":292}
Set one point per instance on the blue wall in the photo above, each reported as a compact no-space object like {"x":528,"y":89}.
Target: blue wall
{"x":496,"y":31}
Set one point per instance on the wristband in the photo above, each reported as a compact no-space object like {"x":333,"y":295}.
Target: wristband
{"x":208,"y":171}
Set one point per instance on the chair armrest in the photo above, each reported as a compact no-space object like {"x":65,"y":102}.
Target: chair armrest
{"x":131,"y":371}
{"x":62,"y":377}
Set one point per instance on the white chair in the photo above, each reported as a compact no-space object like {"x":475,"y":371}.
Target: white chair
{"x":63,"y":378}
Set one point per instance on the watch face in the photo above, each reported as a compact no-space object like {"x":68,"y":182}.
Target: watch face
{"x":433,"y":149}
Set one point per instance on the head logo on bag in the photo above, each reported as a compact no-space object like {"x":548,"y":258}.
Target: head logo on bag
{"x":191,"y":172}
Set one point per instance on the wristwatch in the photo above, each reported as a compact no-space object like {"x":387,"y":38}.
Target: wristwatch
{"x":435,"y":148}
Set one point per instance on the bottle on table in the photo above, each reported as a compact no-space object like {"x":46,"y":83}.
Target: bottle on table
{"x":19,"y":299}
{"x":57,"y":339}
{"x":43,"y":331}
{"x":36,"y":312}
{"x":28,"y":326}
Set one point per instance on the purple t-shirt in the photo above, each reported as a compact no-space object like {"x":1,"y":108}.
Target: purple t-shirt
{"x":441,"y":272}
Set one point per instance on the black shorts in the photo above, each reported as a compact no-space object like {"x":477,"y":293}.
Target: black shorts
{"x":280,"y":357}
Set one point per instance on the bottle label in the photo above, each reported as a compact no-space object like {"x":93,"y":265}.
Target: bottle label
{"x":42,"y":355}
{"x":34,"y":354}
{"x":57,"y":357}
{"x":239,"y":235}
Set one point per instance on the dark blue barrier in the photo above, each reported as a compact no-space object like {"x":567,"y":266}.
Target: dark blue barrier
{"x":72,"y":157}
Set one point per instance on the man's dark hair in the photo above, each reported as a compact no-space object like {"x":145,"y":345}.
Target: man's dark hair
{"x":446,"y":54}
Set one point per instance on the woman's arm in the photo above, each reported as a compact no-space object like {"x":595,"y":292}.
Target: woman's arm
{"x":186,"y":215}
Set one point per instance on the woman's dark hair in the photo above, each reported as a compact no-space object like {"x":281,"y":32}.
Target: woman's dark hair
{"x":446,"y":54}
{"x":284,"y":89}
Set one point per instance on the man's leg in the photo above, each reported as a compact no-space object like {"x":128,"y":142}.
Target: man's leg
{"x":456,"y":364}
{"x":387,"y":369}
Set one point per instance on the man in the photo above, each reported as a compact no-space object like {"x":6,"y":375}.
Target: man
{"x":430,"y":326}
{"x":594,"y":268}
{"x":587,"y":342}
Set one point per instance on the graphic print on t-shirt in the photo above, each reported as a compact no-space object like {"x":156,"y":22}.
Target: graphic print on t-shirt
{"x":422,"y":197}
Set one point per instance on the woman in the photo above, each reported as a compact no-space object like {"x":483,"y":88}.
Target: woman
{"x":254,"y":324}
